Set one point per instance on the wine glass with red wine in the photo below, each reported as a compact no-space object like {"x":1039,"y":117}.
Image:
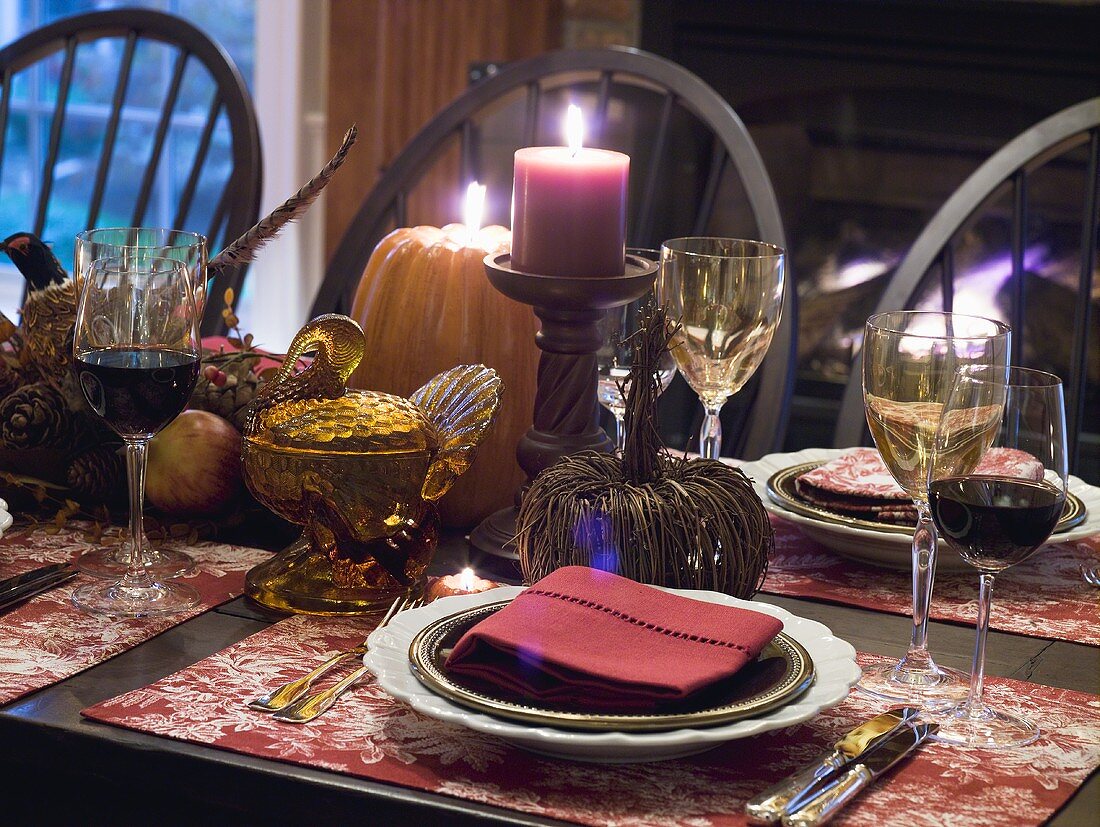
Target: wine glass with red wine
{"x":136,"y":357}
{"x":135,"y":243}
{"x":997,"y":487}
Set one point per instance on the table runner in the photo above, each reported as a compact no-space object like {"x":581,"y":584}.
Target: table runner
{"x":1044,"y":597}
{"x":370,"y":735}
{"x":47,"y":639}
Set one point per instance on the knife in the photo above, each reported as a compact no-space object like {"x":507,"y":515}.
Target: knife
{"x":828,"y":794}
{"x":768,"y":807}
{"x":23,"y":586}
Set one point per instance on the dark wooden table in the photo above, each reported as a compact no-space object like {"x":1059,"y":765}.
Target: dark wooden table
{"x":58,"y":768}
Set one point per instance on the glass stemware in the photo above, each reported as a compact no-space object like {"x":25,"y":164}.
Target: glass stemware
{"x":136,"y":358}
{"x":615,"y":357}
{"x":999,"y":512}
{"x":909,"y":362}
{"x":727,"y":295}
{"x":138,"y":244}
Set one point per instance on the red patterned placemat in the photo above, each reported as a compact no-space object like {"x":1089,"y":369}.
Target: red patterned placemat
{"x":47,"y":639}
{"x":370,"y":735}
{"x":1044,"y":597}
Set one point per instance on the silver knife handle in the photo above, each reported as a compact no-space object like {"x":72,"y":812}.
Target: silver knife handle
{"x":768,"y":807}
{"x":826,"y":805}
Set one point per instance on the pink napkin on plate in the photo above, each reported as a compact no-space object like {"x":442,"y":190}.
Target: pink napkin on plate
{"x":858,"y":483}
{"x":587,"y":639}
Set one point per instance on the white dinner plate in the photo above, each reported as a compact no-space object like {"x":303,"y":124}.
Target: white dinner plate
{"x":5,"y":518}
{"x":388,"y":658}
{"x":891,"y":549}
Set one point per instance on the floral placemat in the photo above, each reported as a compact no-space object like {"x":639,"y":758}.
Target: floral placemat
{"x":371,"y":735}
{"x":47,"y":639}
{"x":1044,"y":597}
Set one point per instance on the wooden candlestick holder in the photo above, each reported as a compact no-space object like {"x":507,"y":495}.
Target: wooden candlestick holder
{"x":566,"y":416}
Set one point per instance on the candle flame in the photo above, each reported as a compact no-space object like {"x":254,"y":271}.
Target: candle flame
{"x":475,"y":206}
{"x":466,"y":579}
{"x":574,"y":128}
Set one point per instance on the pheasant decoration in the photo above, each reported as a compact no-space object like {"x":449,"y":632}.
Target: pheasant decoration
{"x":50,"y":307}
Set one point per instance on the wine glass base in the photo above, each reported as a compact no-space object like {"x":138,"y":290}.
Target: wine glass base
{"x":111,"y":563}
{"x":930,"y":689}
{"x":149,"y":599}
{"x":987,"y":729}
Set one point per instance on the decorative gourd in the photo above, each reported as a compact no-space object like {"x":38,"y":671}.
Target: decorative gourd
{"x":425,"y":304}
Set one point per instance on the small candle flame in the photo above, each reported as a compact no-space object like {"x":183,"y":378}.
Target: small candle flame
{"x":574,"y":128}
{"x":466,"y":579}
{"x":475,"y":206}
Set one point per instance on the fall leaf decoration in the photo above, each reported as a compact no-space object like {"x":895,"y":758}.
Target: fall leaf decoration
{"x":669,"y":521}
{"x":244,"y":249}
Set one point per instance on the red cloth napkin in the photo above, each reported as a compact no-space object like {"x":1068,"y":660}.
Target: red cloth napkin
{"x":592,"y":640}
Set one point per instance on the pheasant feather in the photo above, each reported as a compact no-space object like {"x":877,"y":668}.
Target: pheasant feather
{"x":244,"y":249}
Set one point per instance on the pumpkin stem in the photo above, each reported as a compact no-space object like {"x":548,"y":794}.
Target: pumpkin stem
{"x":642,"y":445}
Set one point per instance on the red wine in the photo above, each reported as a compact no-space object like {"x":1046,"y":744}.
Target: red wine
{"x":137,"y":391}
{"x":994,"y":522}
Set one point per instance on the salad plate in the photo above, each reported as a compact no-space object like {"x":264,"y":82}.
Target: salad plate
{"x":883,"y":544}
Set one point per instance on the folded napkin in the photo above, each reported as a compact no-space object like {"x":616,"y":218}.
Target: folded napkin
{"x":858,"y":483}
{"x":587,"y":639}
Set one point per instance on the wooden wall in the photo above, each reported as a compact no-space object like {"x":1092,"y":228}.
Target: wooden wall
{"x":394,"y":63}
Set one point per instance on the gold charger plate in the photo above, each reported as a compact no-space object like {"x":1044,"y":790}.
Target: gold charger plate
{"x":782,"y":491}
{"x":782,"y":672}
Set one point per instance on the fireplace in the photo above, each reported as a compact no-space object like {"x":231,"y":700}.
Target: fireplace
{"x":869,"y":114}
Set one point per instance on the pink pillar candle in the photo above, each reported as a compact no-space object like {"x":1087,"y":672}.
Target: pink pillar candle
{"x":569,"y":214}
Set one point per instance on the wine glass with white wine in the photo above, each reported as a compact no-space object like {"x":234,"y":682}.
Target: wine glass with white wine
{"x":615,"y":358}
{"x":727,"y":295}
{"x":909,"y":361}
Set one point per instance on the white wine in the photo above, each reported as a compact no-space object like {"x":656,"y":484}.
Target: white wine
{"x":607,"y":389}
{"x":905,"y":433}
{"x":718,"y":348}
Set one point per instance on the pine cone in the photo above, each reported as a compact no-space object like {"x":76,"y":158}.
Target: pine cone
{"x":34,"y":416}
{"x":98,"y":474}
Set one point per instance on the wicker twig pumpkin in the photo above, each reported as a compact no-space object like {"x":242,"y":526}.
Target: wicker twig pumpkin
{"x":678,"y":522}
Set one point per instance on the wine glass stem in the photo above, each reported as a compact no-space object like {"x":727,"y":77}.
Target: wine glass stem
{"x":710,"y":435}
{"x":924,"y":573}
{"x":974,"y":702}
{"x":620,"y":432}
{"x":135,"y":471}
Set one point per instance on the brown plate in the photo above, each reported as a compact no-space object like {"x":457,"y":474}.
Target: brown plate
{"x":781,"y":673}
{"x":781,"y":490}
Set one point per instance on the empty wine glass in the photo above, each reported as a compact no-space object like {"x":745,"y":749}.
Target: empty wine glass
{"x":997,"y":513}
{"x":136,"y":358}
{"x":138,"y":244}
{"x":909,"y":362}
{"x":727,"y":295}
{"x":616,"y":356}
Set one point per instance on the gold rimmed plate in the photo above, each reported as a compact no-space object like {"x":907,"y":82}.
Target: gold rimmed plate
{"x":782,"y":491}
{"x":782,"y":672}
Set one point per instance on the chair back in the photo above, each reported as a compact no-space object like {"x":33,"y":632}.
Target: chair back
{"x":148,"y":92}
{"x":1046,"y":261}
{"x":690,"y":156}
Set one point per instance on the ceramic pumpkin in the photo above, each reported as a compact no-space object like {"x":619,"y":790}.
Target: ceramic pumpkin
{"x":425,"y":304}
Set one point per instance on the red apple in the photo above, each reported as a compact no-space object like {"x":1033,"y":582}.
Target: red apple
{"x":194,"y":465}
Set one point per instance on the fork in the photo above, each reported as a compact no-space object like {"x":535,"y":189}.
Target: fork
{"x":288,"y":693}
{"x":306,"y":708}
{"x":1091,"y":575}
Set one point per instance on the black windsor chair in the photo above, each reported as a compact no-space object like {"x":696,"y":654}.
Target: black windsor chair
{"x":690,"y":153}
{"x":1067,"y":145}
{"x":198,"y":112}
